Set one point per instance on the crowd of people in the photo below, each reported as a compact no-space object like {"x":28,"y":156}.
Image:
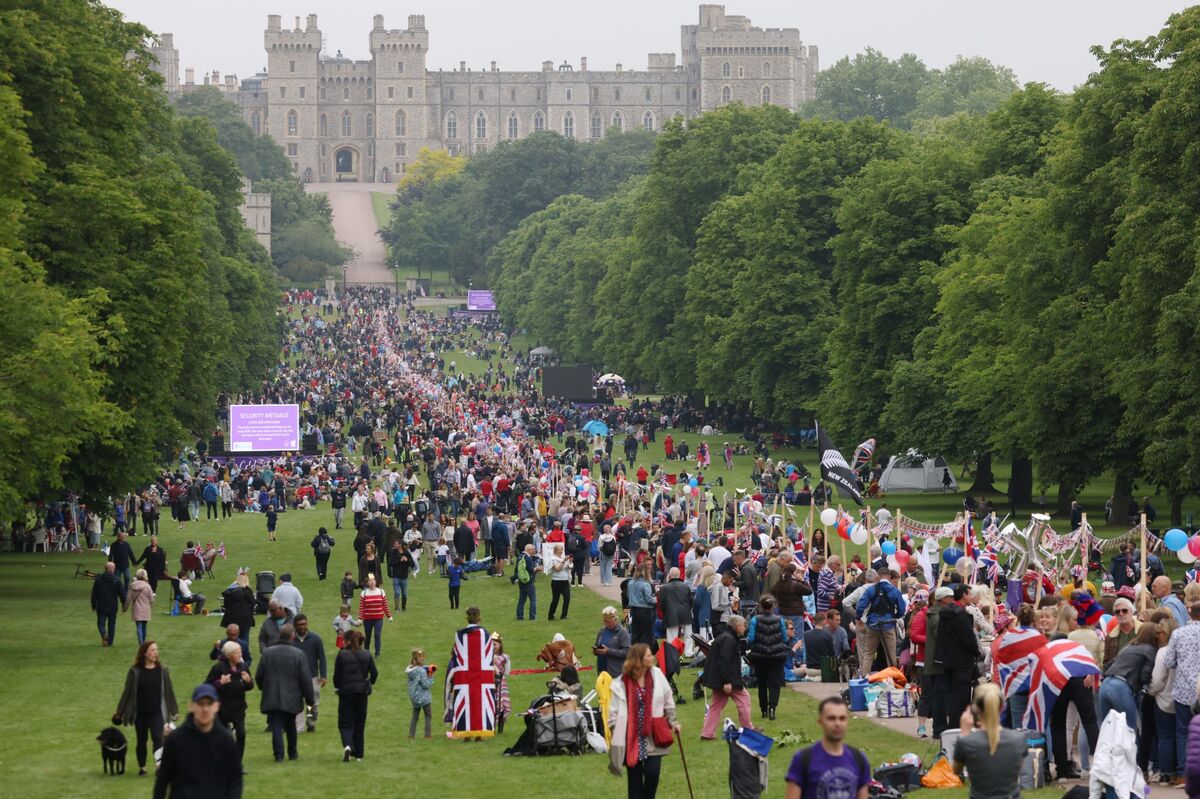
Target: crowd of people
{"x":430,"y":469}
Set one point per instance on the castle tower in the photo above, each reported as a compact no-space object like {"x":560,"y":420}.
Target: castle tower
{"x":294,"y":70}
{"x":166,"y":62}
{"x":401,"y":105}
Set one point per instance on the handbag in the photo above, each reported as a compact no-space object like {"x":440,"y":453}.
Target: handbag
{"x":661,"y":732}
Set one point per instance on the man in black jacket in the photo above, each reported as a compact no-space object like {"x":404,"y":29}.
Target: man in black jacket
{"x":200,"y":758}
{"x":108,"y":596}
{"x":957,"y":651}
{"x":121,"y":554}
{"x":285,"y":682}
{"x":723,"y":674}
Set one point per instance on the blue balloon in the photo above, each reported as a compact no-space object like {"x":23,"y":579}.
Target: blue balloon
{"x":951,"y":555}
{"x":788,"y":471}
{"x":889,"y":548}
{"x":1175,"y":539}
{"x":693,"y":482}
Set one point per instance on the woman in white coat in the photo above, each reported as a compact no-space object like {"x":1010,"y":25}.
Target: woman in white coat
{"x":641,"y":700}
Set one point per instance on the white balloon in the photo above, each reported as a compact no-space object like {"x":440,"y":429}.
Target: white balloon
{"x":1185,"y":556}
{"x":965,"y":566}
{"x":858,"y":535}
{"x":892,"y":564}
{"x":828,"y":517}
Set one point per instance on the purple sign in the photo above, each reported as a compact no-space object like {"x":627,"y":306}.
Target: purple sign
{"x":480,"y":301}
{"x":264,"y":428}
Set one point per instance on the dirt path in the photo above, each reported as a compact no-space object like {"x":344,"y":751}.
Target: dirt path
{"x":355,"y":226}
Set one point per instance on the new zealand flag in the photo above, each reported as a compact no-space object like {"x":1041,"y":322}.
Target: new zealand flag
{"x":835,"y":469}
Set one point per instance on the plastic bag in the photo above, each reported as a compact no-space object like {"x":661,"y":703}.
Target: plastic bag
{"x":941,"y":775}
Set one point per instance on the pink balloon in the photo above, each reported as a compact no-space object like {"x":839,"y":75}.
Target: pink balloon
{"x":1194,"y":545}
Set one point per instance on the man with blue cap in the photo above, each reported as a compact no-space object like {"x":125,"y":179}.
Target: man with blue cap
{"x":200,"y":758}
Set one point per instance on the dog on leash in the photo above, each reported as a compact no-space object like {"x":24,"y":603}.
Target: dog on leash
{"x":113,"y":749}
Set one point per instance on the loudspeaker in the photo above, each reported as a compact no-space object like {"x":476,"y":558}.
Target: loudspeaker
{"x":309,"y":442}
{"x":216,"y":444}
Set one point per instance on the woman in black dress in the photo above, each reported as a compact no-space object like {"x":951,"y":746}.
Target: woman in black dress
{"x":354,"y":673}
{"x":148,"y":701}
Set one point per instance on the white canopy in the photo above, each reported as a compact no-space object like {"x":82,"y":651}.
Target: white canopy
{"x":913,"y":472}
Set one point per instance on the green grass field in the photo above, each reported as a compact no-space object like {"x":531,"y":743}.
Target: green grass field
{"x":67,"y":686}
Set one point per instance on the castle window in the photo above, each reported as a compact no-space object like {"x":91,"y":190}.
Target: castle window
{"x":401,"y":149}
{"x":391,"y":92}
{"x":291,"y":66}
{"x":568,"y":95}
{"x":595,"y":94}
{"x":400,"y":68}
{"x":322,"y":92}
{"x":293,"y":149}
{"x":450,"y":96}
{"x":346,"y":93}
{"x":766,"y":95}
{"x":410,"y":92}
{"x":597,"y":126}
{"x":741,"y":72}
{"x":301,"y":92}
{"x":370,"y":149}
{"x":617,"y":94}
{"x":346,"y":127}
{"x":370,"y":126}
{"x":766,"y":69}
{"x":726,"y":70}
{"x":569,"y":125}
{"x":648,"y":120}
{"x":726,"y":94}
{"x":480,"y":95}
{"x":618,"y":121}
{"x":695,"y":94}
{"x":512,"y":94}
{"x":323,"y":150}
{"x":539,"y":121}
{"x":647,"y":95}
{"x":401,"y":124}
{"x":480,"y":126}
{"x":678,"y":94}
{"x":283,"y":91}
{"x":539,"y":94}
{"x":451,"y":126}
{"x":324,"y":126}
{"x":291,"y":123}
{"x":370,"y":93}
{"x":512,"y":125}
{"x":256,"y":123}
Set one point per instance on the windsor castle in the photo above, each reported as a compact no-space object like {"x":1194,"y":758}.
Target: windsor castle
{"x":344,"y":120}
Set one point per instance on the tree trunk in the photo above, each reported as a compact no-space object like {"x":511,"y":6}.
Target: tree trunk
{"x":1122,"y":493}
{"x":983,"y":476}
{"x":1176,"y":511}
{"x":1066,"y":492}
{"x":1020,"y":484}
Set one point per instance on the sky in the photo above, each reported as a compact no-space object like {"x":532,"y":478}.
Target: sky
{"x":1041,"y":40}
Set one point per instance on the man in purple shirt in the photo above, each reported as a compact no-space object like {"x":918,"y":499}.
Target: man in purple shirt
{"x":830,"y":768}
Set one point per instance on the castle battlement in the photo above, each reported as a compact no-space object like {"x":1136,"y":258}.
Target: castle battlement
{"x":366,"y":120}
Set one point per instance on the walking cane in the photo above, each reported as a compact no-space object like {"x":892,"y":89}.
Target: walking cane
{"x":679,"y":738}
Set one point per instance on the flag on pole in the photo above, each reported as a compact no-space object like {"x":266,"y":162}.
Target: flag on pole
{"x":1053,"y":665}
{"x":835,"y":469}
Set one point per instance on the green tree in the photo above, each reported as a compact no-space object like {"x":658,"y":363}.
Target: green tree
{"x":870,"y":85}
{"x":258,"y":157}
{"x":969,"y":85}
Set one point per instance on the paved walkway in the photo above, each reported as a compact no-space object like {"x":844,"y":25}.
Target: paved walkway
{"x":355,"y":225}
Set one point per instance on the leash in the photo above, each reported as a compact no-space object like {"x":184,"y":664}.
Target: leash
{"x":686,"y":775}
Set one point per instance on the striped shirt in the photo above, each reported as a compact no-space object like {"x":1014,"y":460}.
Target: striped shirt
{"x":373,"y":604}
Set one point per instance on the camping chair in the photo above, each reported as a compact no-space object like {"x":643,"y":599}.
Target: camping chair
{"x":192,"y":563}
{"x":180,"y":605}
{"x":83,"y":571}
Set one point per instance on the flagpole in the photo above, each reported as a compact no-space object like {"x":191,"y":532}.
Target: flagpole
{"x":812,"y":504}
{"x":1144,"y":596}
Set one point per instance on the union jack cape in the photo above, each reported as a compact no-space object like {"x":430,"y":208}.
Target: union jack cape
{"x":1014,"y":659}
{"x":1053,"y":665}
{"x":471,"y":685}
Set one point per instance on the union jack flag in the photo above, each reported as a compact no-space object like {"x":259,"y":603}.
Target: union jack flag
{"x":471,"y":685}
{"x":1014,"y":659}
{"x":1192,"y":575}
{"x":989,"y":562}
{"x":1053,"y":665}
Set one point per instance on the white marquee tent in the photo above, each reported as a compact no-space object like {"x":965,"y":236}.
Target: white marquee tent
{"x":913,"y":472}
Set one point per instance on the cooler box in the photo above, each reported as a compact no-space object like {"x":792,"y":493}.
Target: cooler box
{"x":858,"y":695}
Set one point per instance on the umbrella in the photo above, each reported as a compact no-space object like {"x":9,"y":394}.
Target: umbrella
{"x":596,"y":428}
{"x":610,"y":378}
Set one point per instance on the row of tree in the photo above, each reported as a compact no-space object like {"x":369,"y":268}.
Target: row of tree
{"x":303,"y":246}
{"x":133,"y":294}
{"x":1022,"y":282}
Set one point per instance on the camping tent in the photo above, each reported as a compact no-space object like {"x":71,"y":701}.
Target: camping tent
{"x":913,"y":472}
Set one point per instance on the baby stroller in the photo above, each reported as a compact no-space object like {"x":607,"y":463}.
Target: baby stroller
{"x":555,"y":724}
{"x":264,"y":586}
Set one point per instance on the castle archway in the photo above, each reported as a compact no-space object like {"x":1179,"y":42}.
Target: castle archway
{"x":345,"y":164}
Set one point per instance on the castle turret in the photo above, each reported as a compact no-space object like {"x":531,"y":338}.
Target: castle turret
{"x":293,"y":64}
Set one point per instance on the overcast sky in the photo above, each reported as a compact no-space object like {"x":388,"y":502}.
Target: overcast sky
{"x":1042,"y":40}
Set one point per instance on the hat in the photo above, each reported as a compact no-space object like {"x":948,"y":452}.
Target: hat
{"x":920,"y":595}
{"x":1127,"y":592}
{"x":942,"y":593}
{"x":1107,"y":588}
{"x":1088,"y":608}
{"x":204,"y":691}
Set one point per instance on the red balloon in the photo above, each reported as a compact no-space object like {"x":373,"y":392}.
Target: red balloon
{"x":902,"y":559}
{"x":843,"y":527}
{"x":1194,"y":545}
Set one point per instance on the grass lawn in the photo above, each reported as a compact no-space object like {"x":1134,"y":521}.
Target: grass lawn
{"x":60,"y":677}
{"x":379,"y":201}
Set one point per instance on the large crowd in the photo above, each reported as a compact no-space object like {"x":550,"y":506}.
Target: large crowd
{"x":431,"y":468}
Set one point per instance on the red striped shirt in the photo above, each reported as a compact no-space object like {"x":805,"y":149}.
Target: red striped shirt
{"x":373,"y":604}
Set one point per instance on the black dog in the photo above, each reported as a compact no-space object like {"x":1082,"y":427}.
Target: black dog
{"x":112,"y":750}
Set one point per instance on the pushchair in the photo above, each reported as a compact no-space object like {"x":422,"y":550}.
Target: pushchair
{"x":264,"y":586}
{"x":555,"y":724}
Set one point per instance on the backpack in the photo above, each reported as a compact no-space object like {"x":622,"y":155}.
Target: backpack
{"x":523,"y":575}
{"x":422,"y":507}
{"x":609,"y":548}
{"x":576,"y":544}
{"x":323,"y":545}
{"x":881,"y":604}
